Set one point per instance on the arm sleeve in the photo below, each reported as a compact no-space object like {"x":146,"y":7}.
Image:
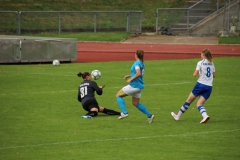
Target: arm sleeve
{"x":198,"y":66}
{"x":79,"y":95}
{"x":97,"y":89}
{"x":214,"y":68}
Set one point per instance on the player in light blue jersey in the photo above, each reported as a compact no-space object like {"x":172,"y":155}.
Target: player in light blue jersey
{"x":203,"y":88}
{"x":134,"y":87}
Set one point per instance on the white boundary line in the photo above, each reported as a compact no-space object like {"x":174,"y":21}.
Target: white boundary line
{"x":47,"y":74}
{"x":119,"y":139}
{"x":52,"y":92}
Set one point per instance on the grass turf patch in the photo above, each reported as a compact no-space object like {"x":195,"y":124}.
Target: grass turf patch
{"x":229,"y":40}
{"x":87,"y":36}
{"x":40,"y":114}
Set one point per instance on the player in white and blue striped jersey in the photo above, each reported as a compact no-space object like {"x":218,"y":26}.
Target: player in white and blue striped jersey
{"x":203,"y":88}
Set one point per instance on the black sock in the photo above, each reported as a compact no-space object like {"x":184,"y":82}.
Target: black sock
{"x":92,"y":113}
{"x":110,"y":112}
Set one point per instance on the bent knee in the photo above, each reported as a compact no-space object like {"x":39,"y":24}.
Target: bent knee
{"x":135,"y":104}
{"x":121,"y":94}
{"x":94,"y":109}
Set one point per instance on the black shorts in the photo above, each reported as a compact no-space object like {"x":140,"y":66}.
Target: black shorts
{"x":89,"y":104}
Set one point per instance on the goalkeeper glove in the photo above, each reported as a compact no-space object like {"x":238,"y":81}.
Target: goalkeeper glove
{"x":101,"y":86}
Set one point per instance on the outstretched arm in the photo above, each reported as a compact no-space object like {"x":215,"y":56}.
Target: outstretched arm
{"x":98,"y":89}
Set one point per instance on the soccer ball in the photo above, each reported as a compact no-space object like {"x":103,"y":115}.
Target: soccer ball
{"x":96,"y":74}
{"x":56,"y":62}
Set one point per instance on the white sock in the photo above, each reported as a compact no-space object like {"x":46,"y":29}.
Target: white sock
{"x":183,"y":109}
{"x":202,"y":111}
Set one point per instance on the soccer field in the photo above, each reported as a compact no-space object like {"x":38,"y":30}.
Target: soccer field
{"x":40,"y":116}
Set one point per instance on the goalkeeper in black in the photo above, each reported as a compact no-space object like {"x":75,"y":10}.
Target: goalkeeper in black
{"x":86,"y":96}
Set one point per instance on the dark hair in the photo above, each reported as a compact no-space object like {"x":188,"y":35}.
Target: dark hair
{"x":207,"y":54}
{"x":83,"y":75}
{"x":140,"y":54}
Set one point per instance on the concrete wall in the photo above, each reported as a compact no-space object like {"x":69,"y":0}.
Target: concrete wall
{"x":216,"y":23}
{"x":18,"y":49}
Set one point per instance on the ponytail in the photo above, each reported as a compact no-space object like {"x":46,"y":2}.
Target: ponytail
{"x":140,"y":54}
{"x":83,"y":75}
{"x":207,"y":54}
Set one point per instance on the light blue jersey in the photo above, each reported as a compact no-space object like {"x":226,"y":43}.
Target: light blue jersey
{"x":138,"y":82}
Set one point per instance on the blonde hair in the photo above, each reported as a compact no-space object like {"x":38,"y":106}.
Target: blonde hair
{"x":207,"y":54}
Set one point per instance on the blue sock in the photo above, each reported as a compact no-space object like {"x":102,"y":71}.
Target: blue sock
{"x":183,"y":108}
{"x":144,"y":110}
{"x":122,"y":105}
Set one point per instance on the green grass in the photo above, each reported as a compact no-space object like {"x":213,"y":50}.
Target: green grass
{"x":114,"y":37}
{"x":229,"y":40}
{"x":40,"y":114}
{"x":148,"y":7}
{"x":89,"y":36}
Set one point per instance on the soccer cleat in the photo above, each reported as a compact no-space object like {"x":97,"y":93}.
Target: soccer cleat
{"x":150,"y":120}
{"x":122,"y":115}
{"x":205,"y":119}
{"x":86,"y":116}
{"x":175,"y":116}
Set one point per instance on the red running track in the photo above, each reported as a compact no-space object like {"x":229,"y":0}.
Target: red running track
{"x":103,"y":52}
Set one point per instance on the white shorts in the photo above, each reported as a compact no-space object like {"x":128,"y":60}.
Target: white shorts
{"x":135,"y":92}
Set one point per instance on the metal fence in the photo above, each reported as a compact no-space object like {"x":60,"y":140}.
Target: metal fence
{"x":8,"y":21}
{"x":190,"y":17}
{"x":16,"y":49}
{"x":70,"y":21}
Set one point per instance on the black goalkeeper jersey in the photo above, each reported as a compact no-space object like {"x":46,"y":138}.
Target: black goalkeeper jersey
{"x":86,"y":91}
